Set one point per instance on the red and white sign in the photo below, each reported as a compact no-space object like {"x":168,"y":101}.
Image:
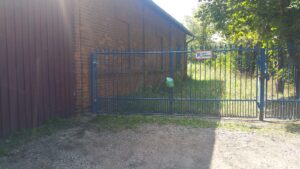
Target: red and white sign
{"x":204,"y":55}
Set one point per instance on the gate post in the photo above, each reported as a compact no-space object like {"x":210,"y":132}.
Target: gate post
{"x":94,"y":81}
{"x":262,"y":84}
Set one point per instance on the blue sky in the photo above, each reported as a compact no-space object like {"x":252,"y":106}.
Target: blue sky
{"x":178,"y":8}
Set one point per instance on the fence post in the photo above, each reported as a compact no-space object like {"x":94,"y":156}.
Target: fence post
{"x":171,"y":76}
{"x":262,"y":84}
{"x":94,"y":81}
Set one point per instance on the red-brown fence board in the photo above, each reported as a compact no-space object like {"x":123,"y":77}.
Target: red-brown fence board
{"x":20,"y":63}
{"x":44,"y":60}
{"x":68,"y":46}
{"x":12,"y":73}
{"x":51,"y":62}
{"x":32,"y":61}
{"x":4,"y":110}
{"x":26,"y":57}
{"x":60,"y":41}
{"x":36,"y":81}
{"x":56,"y":57}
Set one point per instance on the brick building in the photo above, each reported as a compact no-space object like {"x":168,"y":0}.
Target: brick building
{"x":120,"y":24}
{"x":45,"y":51}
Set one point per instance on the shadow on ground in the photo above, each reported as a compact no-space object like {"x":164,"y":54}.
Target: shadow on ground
{"x":139,"y":142}
{"x":170,"y":148}
{"x":118,"y":142}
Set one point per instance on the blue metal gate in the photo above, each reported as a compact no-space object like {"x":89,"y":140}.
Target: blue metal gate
{"x":225,"y":81}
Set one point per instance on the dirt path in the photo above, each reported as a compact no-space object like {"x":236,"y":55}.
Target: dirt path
{"x":157,"y":147}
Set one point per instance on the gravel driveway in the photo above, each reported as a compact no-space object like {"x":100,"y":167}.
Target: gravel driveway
{"x":157,"y":147}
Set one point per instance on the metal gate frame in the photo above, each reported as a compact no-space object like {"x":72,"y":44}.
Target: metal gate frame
{"x":262,"y":75}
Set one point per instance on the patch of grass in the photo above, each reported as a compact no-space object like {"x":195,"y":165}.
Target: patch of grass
{"x":19,"y":138}
{"x":121,"y":122}
{"x":293,"y":128}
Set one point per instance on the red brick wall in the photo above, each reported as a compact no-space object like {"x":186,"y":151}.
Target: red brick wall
{"x":117,"y":24}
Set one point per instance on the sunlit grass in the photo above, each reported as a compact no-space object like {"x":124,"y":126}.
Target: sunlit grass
{"x":236,"y":84}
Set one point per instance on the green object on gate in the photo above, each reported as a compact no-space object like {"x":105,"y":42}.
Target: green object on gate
{"x":170,"y":82}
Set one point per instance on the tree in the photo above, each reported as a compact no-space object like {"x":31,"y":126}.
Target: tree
{"x":267,"y":23}
{"x":202,"y":31}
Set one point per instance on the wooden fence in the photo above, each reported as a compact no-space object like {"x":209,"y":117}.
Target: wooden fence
{"x":35,"y":62}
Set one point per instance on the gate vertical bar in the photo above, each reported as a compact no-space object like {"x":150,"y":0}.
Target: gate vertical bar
{"x":94,"y":81}
{"x":262,"y":84}
{"x":171,"y":63}
{"x":171,"y":76}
